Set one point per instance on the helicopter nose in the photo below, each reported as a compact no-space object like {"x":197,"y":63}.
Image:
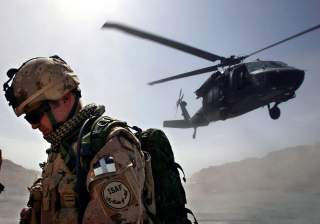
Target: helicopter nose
{"x":286,"y":78}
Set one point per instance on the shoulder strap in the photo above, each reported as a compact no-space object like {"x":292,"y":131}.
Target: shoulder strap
{"x":100,"y":130}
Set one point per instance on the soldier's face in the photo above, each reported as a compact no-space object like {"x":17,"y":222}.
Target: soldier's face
{"x":44,"y":125}
{"x":60,"y":110}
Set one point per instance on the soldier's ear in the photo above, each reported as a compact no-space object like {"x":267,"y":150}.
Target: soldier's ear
{"x":67,"y":98}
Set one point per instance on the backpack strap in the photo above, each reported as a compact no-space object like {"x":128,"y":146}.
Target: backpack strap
{"x":178,"y":166}
{"x":82,"y":194}
{"x":100,"y":130}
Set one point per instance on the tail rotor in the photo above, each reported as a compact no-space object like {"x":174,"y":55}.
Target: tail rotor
{"x":179,"y":101}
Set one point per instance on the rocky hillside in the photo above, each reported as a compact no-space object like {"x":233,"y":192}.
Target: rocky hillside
{"x":16,"y":178}
{"x":291,"y":169}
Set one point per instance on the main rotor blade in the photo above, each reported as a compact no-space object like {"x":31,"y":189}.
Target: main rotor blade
{"x":187,"y":74}
{"x":164,"y":41}
{"x":284,"y":40}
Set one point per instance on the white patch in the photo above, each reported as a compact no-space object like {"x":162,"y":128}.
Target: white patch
{"x":116,"y":195}
{"x":105,"y":165}
{"x":98,"y":171}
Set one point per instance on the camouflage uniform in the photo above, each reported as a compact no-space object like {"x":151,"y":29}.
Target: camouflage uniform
{"x":115,"y":189}
{"x":114,"y":196}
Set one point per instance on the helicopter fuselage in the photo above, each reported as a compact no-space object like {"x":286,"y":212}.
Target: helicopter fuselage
{"x":246,"y":87}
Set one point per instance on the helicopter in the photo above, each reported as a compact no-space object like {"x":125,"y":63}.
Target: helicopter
{"x":235,"y":87}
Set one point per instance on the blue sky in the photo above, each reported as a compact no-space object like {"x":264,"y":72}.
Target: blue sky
{"x":114,"y":68}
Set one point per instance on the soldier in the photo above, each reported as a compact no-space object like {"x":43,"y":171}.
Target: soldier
{"x":82,"y":181}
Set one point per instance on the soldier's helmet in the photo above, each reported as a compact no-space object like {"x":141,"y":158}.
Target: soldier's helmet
{"x":37,"y":80}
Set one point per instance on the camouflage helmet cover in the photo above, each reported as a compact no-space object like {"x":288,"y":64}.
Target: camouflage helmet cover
{"x":42,"y":79}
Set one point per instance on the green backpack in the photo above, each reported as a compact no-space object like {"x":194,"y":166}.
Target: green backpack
{"x":169,"y":192}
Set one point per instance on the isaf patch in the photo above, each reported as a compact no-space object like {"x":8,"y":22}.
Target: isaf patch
{"x":116,"y":195}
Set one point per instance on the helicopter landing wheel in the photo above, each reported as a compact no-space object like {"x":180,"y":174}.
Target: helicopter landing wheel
{"x":274,"y":112}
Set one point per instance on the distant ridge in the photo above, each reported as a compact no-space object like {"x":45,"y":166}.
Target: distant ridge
{"x":291,"y":169}
{"x":16,"y":178}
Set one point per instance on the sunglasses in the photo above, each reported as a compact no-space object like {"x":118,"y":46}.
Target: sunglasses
{"x":34,"y":116}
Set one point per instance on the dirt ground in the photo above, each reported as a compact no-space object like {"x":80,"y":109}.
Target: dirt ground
{"x":10,"y":207}
{"x":228,"y":208}
{"x":257,"y":207}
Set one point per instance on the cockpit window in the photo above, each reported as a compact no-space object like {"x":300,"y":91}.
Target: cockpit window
{"x":257,"y":65}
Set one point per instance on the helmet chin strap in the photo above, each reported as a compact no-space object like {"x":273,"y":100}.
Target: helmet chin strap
{"x":54,"y":123}
{"x":74,"y":106}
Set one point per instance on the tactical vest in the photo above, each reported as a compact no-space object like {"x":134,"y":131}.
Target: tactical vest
{"x":53,"y":197}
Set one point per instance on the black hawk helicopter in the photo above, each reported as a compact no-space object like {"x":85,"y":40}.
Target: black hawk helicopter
{"x":236,"y":88}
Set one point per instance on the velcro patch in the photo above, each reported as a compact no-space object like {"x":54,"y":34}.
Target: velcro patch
{"x":104,"y":165}
{"x":116,"y":195}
